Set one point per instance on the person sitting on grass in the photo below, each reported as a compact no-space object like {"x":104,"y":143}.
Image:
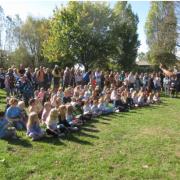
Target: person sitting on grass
{"x":52,"y":124}
{"x":95,"y":110}
{"x":33,"y":128}
{"x":13,"y":114}
{"x":21,"y":105}
{"x":46,"y":111}
{"x":69,"y":117}
{"x":156,"y":97}
{"x":6,"y":131}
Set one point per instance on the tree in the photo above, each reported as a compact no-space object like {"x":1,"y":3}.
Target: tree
{"x":78,"y":34}
{"x":124,"y":35}
{"x":142,"y":56}
{"x":33,"y":32}
{"x":161,"y":33}
{"x":93,"y":34}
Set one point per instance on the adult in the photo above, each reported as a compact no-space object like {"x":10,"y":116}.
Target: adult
{"x":173,"y":73}
{"x":56,"y":75}
{"x":131,"y":80}
{"x":28,"y":74}
{"x":78,"y":77}
{"x":40,"y":77}
{"x":66,"y":78}
{"x":10,"y":82}
{"x":25,"y":88}
{"x":47,"y":79}
{"x":21,"y":69}
{"x":98,"y":77}
{"x":150,"y":85}
{"x":86,"y":77}
{"x":2,"y":78}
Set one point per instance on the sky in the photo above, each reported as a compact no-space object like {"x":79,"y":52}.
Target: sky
{"x":44,"y":8}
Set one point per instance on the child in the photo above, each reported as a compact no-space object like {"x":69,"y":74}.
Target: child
{"x":33,"y":129}
{"x":41,"y":95}
{"x":39,"y":107}
{"x":52,"y":126}
{"x":69,"y":117}
{"x":108,"y":106}
{"x":32,"y":106}
{"x":135,"y":98}
{"x":6,"y":131}
{"x":95,"y":110}
{"x":87,"y":114}
{"x":46,"y":111}
{"x":156,"y":97}
{"x":150,"y":98}
{"x":172,"y":87}
{"x":24,"y":115}
{"x":67,"y":96}
{"x":13,"y":114}
{"x":60,"y":93}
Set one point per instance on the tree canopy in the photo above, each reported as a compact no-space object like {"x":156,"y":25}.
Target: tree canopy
{"x":161,"y":32}
{"x":93,"y":34}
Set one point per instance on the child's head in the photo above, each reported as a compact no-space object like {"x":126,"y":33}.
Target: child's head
{"x":69,"y":109}
{"x":36,"y":93}
{"x":21,"y":105}
{"x":47,"y":106}
{"x":32,"y":119}
{"x":62,"y":111}
{"x":53,"y":115}
{"x":101,"y":100}
{"x":42,"y":90}
{"x":58,"y":102}
{"x":95,"y":102}
{"x":60,"y":89}
{"x":32,"y":102}
{"x":13,"y":102}
{"x":86,"y":102}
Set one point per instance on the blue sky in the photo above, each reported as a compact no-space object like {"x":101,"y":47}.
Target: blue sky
{"x":44,"y":8}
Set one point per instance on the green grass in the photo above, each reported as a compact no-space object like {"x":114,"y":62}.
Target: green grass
{"x":140,"y":144}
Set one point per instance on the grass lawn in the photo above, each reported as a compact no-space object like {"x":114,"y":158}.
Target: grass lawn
{"x":140,"y":144}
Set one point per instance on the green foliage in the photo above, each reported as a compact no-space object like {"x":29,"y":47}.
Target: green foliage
{"x":124,"y":33}
{"x":33,"y":33}
{"x":19,"y":56}
{"x":161,"y":32}
{"x":91,"y":34}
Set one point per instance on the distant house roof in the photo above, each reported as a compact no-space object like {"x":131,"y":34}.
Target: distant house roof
{"x":143,"y":63}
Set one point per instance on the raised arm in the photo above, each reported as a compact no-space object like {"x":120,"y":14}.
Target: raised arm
{"x":165,"y":71}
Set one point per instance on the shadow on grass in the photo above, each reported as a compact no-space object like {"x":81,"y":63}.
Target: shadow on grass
{"x":73,"y":138}
{"x":52,"y":140}
{"x":20,"y":142}
{"x":89,"y":129}
{"x":80,"y":133}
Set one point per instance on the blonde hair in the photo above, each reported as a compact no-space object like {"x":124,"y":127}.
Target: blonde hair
{"x":32,"y":119}
{"x":21,"y":104}
{"x":69,"y":109}
{"x":53,"y":115}
{"x":46,"y":104}
{"x":62,"y":111}
{"x":12,"y":101}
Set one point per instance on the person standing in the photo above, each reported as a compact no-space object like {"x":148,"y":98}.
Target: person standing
{"x":56,"y":75}
{"x":40,"y":77}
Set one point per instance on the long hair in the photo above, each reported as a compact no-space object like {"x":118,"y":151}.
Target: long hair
{"x":32,"y":119}
{"x":69,"y":109}
{"x":62,"y":111}
{"x":53,"y":116}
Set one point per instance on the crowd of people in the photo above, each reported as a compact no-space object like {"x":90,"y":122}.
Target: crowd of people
{"x":56,"y":102}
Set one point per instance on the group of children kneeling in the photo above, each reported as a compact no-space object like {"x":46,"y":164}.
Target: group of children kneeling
{"x":55,"y":113}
